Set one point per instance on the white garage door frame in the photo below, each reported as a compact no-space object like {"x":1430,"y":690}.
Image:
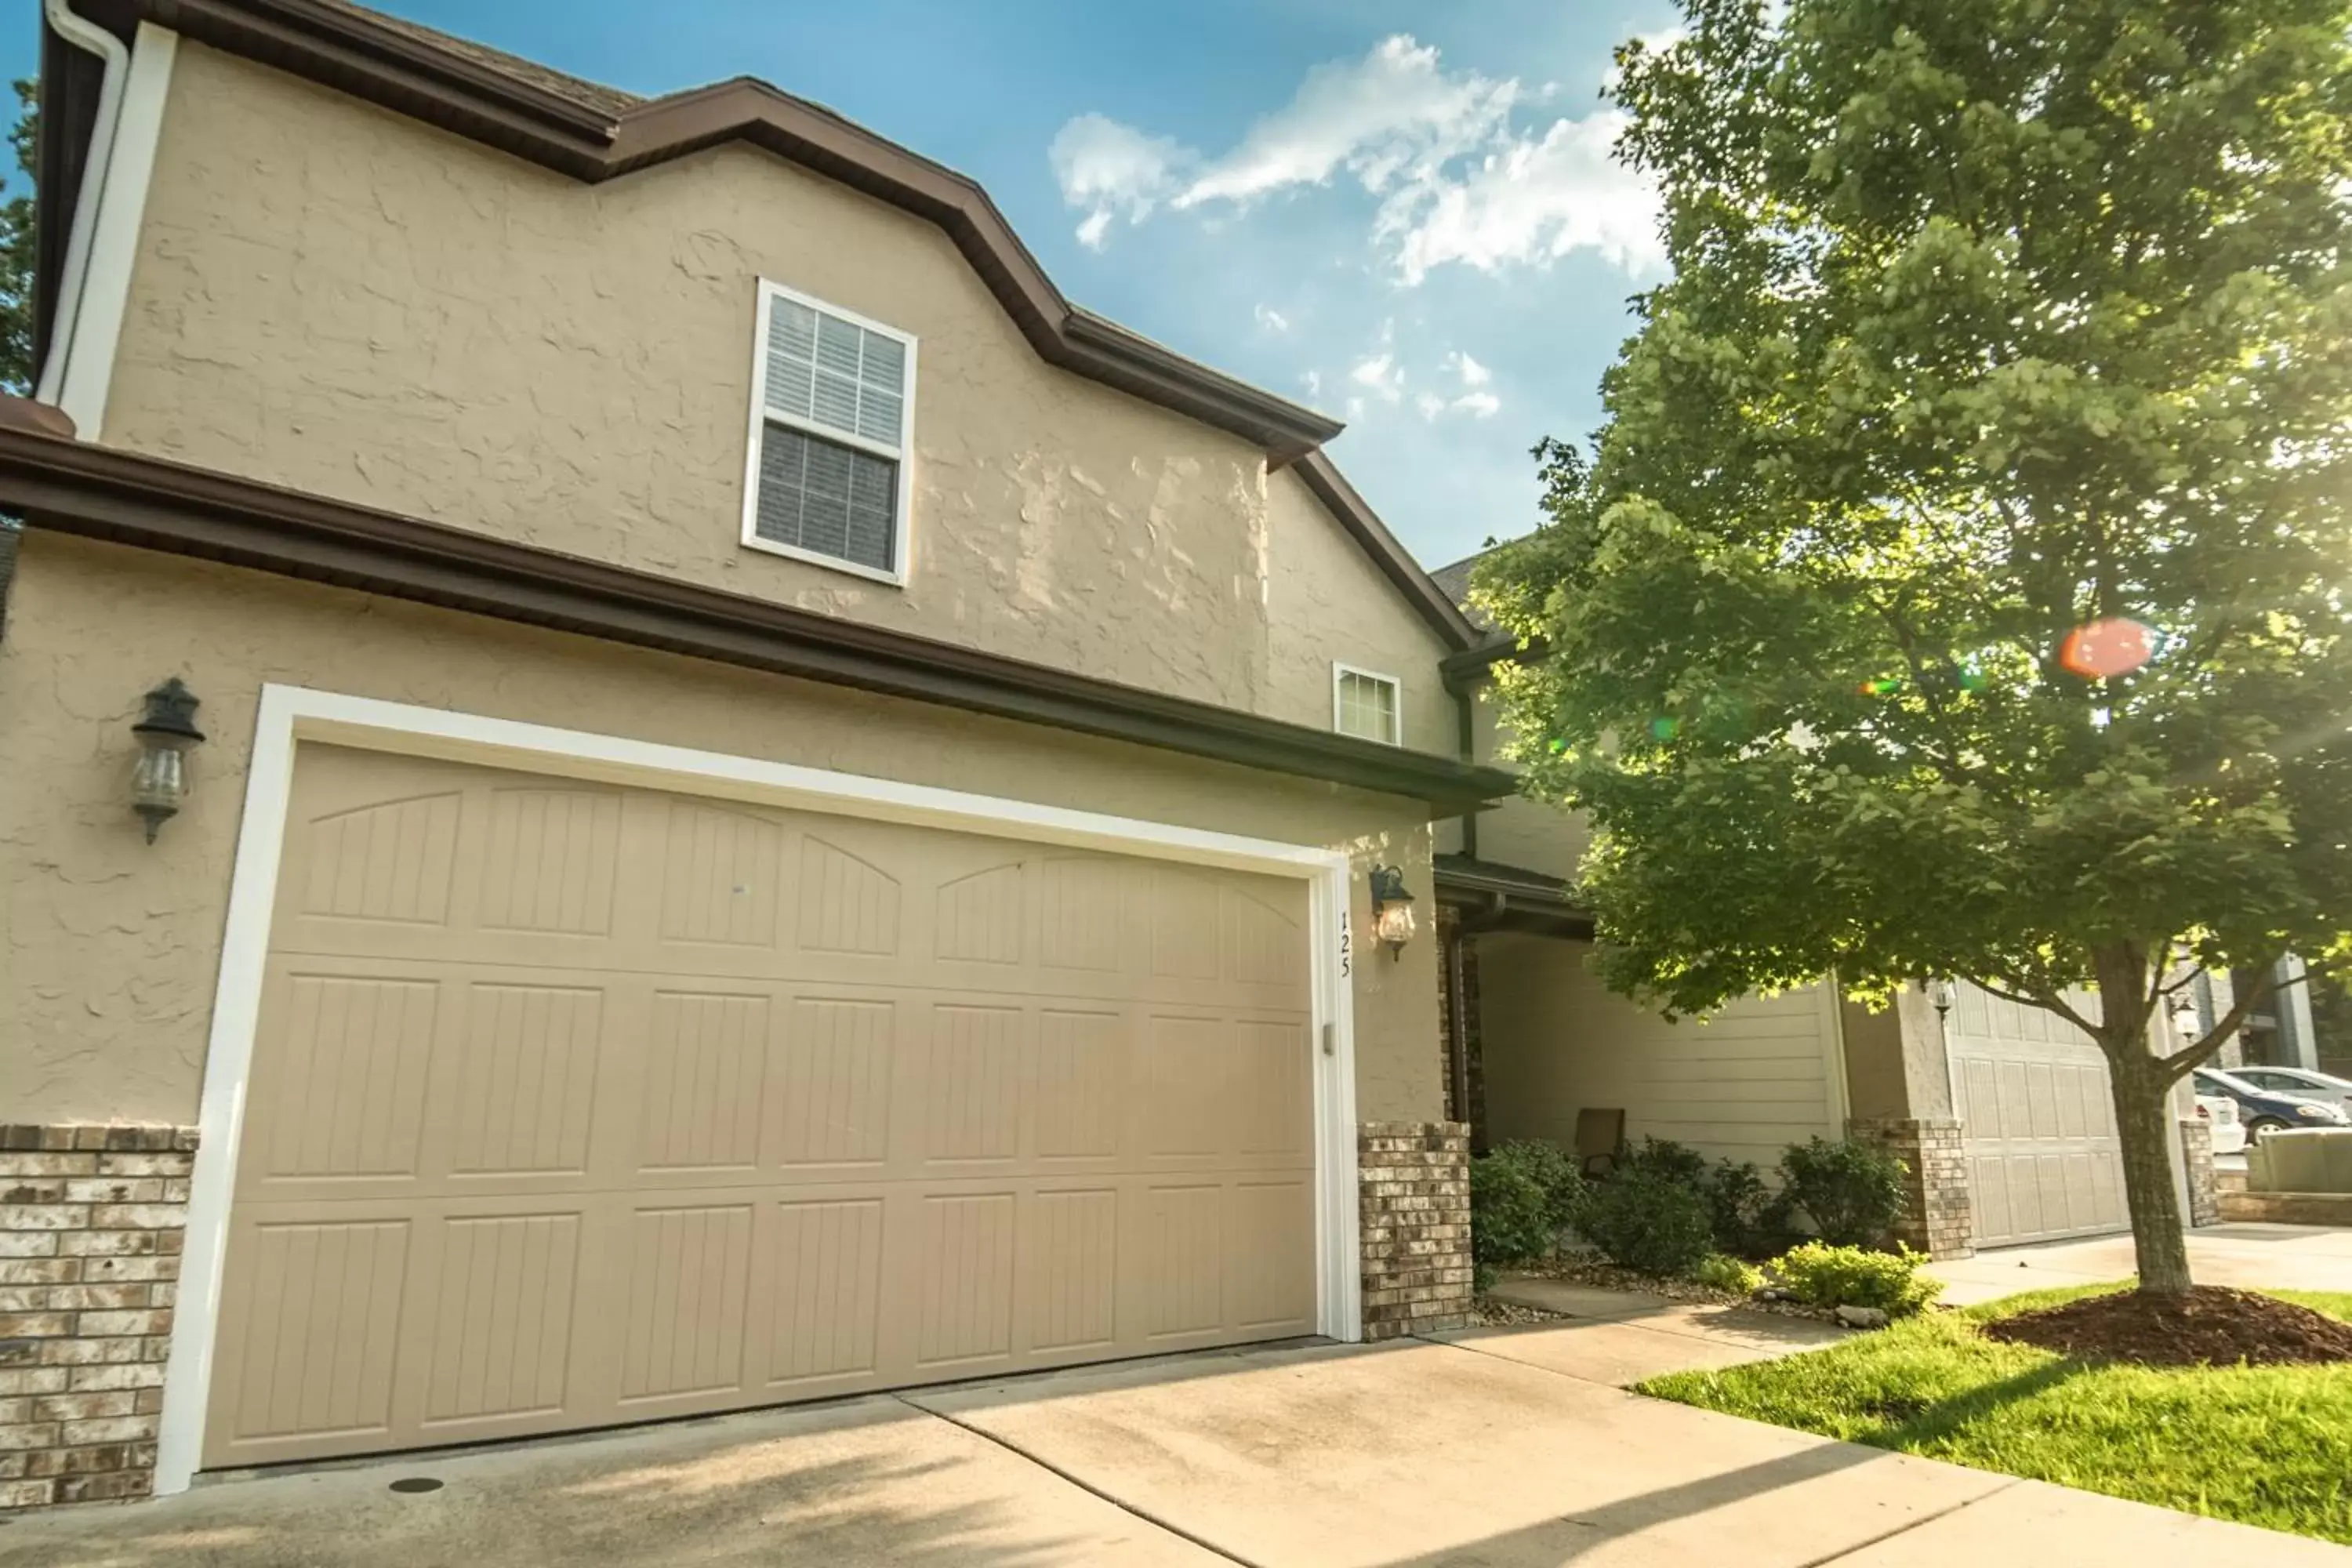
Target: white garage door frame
{"x":290,"y":714}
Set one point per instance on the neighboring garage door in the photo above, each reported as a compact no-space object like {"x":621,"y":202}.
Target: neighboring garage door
{"x":2037,"y":1122}
{"x":573,"y":1105}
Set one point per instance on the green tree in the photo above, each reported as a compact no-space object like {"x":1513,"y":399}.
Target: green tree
{"x":17,"y":252}
{"x":1989,"y":321}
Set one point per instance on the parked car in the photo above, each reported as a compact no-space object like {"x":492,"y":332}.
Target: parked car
{"x":2220,"y":1114}
{"x":2301,"y":1082}
{"x":2264,"y":1110}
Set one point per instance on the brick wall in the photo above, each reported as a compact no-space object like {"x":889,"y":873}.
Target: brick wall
{"x":91,"y":1225}
{"x":1936,"y":1215}
{"x":2197,"y":1154}
{"x":1415,"y":1220}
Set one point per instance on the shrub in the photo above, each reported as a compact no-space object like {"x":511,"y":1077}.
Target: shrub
{"x":1828,"y":1276}
{"x":1748,"y":1219}
{"x":1646,"y":1221}
{"x":1665,"y":1157}
{"x":1719,"y":1271}
{"x":1852,"y":1192}
{"x":1521,"y":1196}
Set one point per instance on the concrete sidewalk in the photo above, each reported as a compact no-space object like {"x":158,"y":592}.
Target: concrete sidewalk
{"x":2248,"y":1255}
{"x":1486,"y":1452}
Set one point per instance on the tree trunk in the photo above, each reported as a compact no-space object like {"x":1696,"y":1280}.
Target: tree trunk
{"x":2143,"y":1118}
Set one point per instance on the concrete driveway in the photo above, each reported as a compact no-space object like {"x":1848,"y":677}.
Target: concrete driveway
{"x":2250,"y":1256}
{"x":1499,"y":1450}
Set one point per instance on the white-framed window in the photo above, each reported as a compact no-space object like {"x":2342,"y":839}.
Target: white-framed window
{"x":1367,"y":704}
{"x":833,"y":425}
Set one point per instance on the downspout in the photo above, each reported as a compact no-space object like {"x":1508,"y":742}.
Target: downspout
{"x":93,"y":39}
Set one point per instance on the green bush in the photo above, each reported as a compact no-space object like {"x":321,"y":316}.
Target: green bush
{"x":1828,"y":1276}
{"x":1852,"y":1192}
{"x":1646,"y":1221}
{"x":1521,"y":1196}
{"x":1749,"y":1219}
{"x":1665,"y":1157}
{"x":1719,"y":1271}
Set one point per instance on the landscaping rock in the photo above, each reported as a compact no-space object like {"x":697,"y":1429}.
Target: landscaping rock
{"x":1862,"y":1316}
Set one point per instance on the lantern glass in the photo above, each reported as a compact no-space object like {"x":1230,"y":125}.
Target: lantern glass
{"x":1393,"y":925}
{"x":160,"y":782}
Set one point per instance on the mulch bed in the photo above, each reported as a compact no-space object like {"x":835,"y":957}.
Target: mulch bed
{"x":2210,"y":1326}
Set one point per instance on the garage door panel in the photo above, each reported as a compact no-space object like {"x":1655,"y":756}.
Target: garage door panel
{"x":832,"y":1097}
{"x":311,"y":1323}
{"x":340,"y":1070}
{"x":499,"y":1343}
{"x":1069,"y":1274}
{"x":573,"y":1105}
{"x":817,"y":1289}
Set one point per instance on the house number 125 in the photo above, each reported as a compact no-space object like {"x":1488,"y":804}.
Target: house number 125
{"x":1344,"y":952}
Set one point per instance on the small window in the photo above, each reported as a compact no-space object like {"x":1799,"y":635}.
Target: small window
{"x":832,"y":399}
{"x":1365,"y":705}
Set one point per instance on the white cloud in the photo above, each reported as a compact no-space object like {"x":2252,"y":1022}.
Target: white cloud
{"x":1472,"y":373}
{"x":1381,"y":375}
{"x":1430,"y":405}
{"x":1456,"y":178}
{"x":1478,"y":404}
{"x":1390,"y":116}
{"x":1533,"y":200}
{"x":1313,"y":382}
{"x":1110,"y":168}
{"x":1272,"y":320}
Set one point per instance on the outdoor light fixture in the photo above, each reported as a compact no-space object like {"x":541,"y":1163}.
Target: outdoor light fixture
{"x":166,"y":730}
{"x":1939,"y":991}
{"x":1391,"y":908}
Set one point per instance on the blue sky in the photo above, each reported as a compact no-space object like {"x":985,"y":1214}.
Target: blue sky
{"x":1402,"y":213}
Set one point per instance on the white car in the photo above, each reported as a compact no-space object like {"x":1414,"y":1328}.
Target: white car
{"x":2221,"y":1113}
{"x":2301,"y":1082}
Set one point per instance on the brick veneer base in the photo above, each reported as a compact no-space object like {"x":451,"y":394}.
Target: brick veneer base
{"x":1414,"y":1178}
{"x":2197,"y":1155}
{"x":92,"y":1219}
{"x":1936,"y":1215}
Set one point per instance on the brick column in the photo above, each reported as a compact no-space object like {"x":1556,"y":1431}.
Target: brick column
{"x":1936,"y":1217}
{"x":2197,"y":1154}
{"x":92,"y":1219}
{"x":1414,"y":1178}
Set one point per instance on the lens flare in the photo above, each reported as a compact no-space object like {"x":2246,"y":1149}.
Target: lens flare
{"x":2104,"y":649}
{"x":1662,"y":728}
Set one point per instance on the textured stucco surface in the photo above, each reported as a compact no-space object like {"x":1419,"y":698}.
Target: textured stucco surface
{"x":335,"y":298}
{"x":112,"y":947}
{"x":1518,"y":831}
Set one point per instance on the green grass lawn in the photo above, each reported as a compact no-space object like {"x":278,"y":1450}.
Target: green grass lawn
{"x":2264,"y":1445}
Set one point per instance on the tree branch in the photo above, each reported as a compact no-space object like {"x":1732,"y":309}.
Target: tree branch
{"x":2161,"y":960}
{"x":2180,"y":1063}
{"x":2047,"y":1000}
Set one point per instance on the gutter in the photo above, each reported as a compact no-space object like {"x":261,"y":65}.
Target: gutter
{"x":101,"y":492}
{"x":115,"y":59}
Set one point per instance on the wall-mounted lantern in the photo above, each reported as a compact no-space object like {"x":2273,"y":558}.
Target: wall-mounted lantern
{"x":167,"y":731}
{"x":1939,"y":992}
{"x":1391,"y":909}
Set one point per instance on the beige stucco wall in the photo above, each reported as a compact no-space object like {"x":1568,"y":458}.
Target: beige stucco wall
{"x":336,"y":298}
{"x":1517,"y":831}
{"x":1742,"y":1084}
{"x":113,"y":946}
{"x":1328,"y":604}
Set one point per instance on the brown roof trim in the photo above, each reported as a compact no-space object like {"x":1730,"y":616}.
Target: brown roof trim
{"x":104,"y":493}
{"x":1493,"y":896}
{"x":1473,"y":665}
{"x":1356,"y":515}
{"x":470,"y":95}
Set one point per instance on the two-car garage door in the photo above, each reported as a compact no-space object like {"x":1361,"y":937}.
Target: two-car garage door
{"x":573,"y":1105}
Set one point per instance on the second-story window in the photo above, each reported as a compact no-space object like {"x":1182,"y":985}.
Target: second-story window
{"x":1365,"y":705}
{"x":832,"y":399}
